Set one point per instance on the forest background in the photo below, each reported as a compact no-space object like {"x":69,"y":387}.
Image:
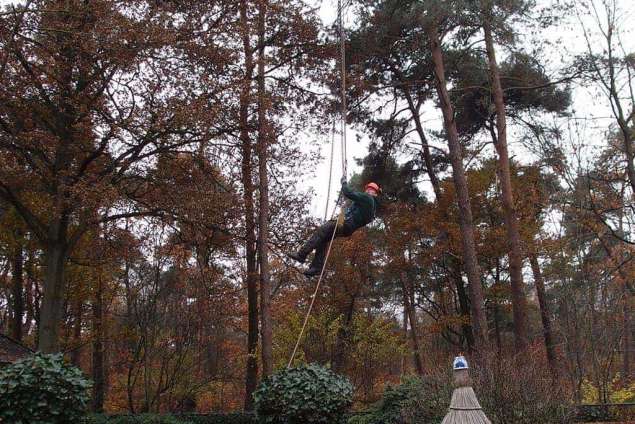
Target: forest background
{"x":159,"y":158}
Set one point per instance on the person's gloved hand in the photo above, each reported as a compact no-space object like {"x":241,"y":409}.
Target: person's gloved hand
{"x":343,"y":180}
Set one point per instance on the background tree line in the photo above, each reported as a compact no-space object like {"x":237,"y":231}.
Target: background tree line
{"x":151,"y":157}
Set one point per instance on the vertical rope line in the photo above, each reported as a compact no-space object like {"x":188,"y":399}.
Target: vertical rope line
{"x":328,"y":193}
{"x":313,"y":297}
{"x":344,"y":166}
{"x":342,"y":40}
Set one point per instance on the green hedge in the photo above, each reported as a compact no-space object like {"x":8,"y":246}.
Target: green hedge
{"x":233,"y":418}
{"x":307,"y":394}
{"x":42,"y":389}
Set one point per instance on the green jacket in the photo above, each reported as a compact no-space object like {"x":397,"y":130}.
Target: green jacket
{"x":362,"y":210}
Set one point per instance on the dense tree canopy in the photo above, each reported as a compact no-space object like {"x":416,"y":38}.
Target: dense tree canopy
{"x":157,"y":163}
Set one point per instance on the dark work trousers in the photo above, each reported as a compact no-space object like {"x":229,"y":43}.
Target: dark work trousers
{"x":321,"y":238}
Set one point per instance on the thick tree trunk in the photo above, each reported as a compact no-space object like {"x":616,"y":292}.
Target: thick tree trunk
{"x":99,"y":383}
{"x":544,"y":311}
{"x":53,"y":297}
{"x":263,"y":215}
{"x":479,"y":322}
{"x":251,"y":376}
{"x":519,"y":302}
{"x":17,"y":296}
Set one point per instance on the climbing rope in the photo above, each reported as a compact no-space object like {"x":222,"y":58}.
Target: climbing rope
{"x":343,"y":105}
{"x":342,"y":42}
{"x":313,"y":296}
{"x":328,"y":191}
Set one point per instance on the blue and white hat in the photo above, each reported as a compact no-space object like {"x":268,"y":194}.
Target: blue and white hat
{"x":460,"y":363}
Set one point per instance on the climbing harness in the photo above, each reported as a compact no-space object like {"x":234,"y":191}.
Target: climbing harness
{"x":340,"y":220}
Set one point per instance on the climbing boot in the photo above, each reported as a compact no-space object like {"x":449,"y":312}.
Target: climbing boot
{"x":312,"y":271}
{"x":297,"y":256}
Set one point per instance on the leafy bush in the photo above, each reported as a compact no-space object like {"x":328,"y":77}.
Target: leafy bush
{"x":308,"y":394}
{"x":415,"y":400}
{"x":42,"y":389}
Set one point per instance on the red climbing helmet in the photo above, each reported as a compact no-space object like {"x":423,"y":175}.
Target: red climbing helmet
{"x":374,"y":186}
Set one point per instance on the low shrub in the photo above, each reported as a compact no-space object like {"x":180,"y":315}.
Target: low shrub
{"x":593,"y":414}
{"x":415,"y":400}
{"x":522,"y":390}
{"x":508,"y":391}
{"x":231,"y":418}
{"x":42,"y":389}
{"x":308,"y":394}
{"x":136,"y":419}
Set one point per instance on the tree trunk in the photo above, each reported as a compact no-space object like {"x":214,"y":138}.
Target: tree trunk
{"x":425,"y":148}
{"x":251,"y":377}
{"x":339,"y":355}
{"x":404,"y":367}
{"x":436,"y":188}
{"x":627,"y":339}
{"x":53,"y":297}
{"x":630,"y":155}
{"x":17,"y":296}
{"x":519,"y":302}
{"x":76,"y":354}
{"x":628,"y":298}
{"x":29,"y":288}
{"x":497,"y":328}
{"x":479,"y":322}
{"x":99,"y":382}
{"x":464,"y":305}
{"x":263,"y":216}
{"x":544,"y":311}
{"x":616,"y":98}
{"x":414,"y":330}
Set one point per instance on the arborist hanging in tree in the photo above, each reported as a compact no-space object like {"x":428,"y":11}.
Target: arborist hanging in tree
{"x":360,"y":213}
